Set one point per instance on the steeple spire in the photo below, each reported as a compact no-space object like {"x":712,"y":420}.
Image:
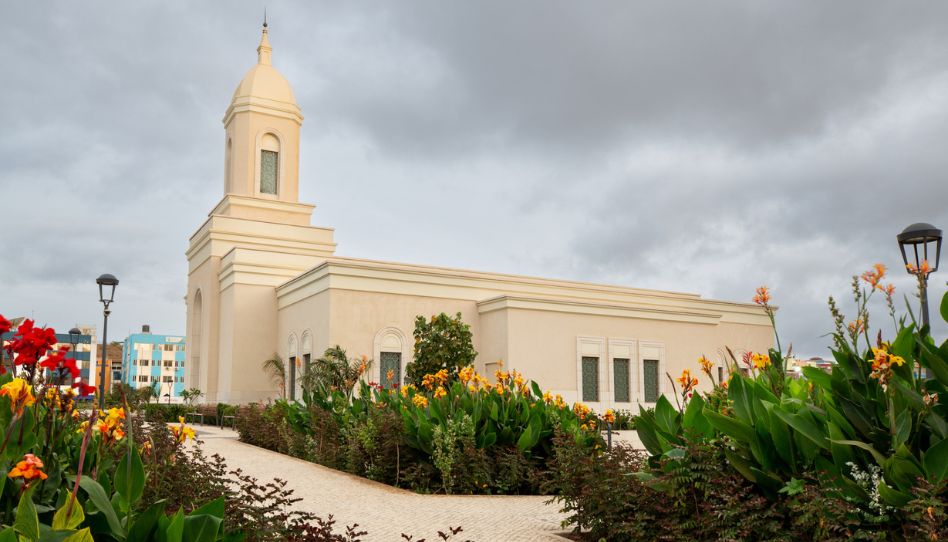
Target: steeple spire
{"x":264,"y":50}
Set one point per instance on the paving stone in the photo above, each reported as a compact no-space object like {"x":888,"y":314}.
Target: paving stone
{"x":384,"y":511}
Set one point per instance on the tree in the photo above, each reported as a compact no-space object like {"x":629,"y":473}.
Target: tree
{"x":191,"y":395}
{"x":442,"y":342}
{"x":276,"y":370}
{"x":334,"y":370}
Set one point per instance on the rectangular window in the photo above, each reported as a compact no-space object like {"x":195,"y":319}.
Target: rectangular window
{"x":269,"y":171}
{"x":390,"y":367}
{"x":650,"y":380}
{"x":292,"y":387}
{"x":620,"y":369}
{"x":590,"y":379}
{"x":720,"y":375}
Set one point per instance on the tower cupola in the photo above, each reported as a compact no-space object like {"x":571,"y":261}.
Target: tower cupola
{"x":262,"y":125}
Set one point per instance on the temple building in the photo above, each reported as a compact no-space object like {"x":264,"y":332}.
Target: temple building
{"x":262,"y":279}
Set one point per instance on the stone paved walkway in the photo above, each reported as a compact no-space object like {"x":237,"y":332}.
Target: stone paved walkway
{"x":384,"y":511}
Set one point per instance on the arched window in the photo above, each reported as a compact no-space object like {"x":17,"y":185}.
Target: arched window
{"x":292,"y":358}
{"x":269,"y":164}
{"x":391,"y":355}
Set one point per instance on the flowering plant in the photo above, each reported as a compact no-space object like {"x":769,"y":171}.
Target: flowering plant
{"x":881,"y":409}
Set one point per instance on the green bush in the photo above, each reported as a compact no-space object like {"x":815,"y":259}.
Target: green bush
{"x":455,"y":436}
{"x":858,"y":452}
{"x":442,"y":342}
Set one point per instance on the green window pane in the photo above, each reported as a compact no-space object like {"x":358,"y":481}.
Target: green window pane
{"x":269,"y":171}
{"x":650,"y":380}
{"x":620,"y":369}
{"x":590,"y":379}
{"x":390,"y":362}
{"x":292,"y":386}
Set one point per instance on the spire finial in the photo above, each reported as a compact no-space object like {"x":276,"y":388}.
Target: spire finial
{"x":264,"y":50}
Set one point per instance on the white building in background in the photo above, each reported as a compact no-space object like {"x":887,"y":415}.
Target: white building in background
{"x":262,"y":279}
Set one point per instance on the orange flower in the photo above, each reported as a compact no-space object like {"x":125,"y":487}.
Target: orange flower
{"x":924,"y":269}
{"x":856,"y":327}
{"x":706,"y":365}
{"x":182,"y":432}
{"x":763,"y":296}
{"x":440,"y":392}
{"x":20,"y":394}
{"x":760,"y":360}
{"x":874,"y":276}
{"x":466,"y":374}
{"x":687,"y":382}
{"x":609,"y":416}
{"x":419,"y":401}
{"x":28,"y":469}
{"x":580,"y":410}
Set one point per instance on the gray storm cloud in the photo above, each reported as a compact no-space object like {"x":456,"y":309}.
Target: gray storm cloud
{"x":690,"y":146}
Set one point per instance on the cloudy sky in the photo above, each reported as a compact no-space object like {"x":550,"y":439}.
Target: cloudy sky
{"x":706,"y":147}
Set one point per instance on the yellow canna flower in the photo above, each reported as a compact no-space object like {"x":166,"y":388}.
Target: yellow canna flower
{"x":420,"y":401}
{"x":440,"y":392}
{"x":20,"y":394}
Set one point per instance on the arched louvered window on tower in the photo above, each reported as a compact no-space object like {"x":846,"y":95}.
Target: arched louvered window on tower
{"x":269,"y":164}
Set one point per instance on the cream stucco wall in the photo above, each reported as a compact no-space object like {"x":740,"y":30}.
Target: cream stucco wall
{"x":269,"y":282}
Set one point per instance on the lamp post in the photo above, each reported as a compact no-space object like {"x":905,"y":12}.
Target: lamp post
{"x":107,"y":284}
{"x":919,"y":242}
{"x":73,"y":341}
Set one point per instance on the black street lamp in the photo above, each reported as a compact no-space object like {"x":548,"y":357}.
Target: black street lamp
{"x":922,"y":241}
{"x":107,"y":284}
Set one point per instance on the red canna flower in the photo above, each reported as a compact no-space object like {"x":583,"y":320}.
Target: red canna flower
{"x":5,"y":325}
{"x":31,"y":343}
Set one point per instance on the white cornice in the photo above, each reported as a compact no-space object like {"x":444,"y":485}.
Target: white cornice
{"x":438,"y":282}
{"x":598,"y":309}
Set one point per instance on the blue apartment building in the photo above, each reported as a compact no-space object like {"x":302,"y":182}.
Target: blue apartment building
{"x":150,"y":359}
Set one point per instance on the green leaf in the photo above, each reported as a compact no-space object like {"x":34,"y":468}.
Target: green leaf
{"x":146,"y":522}
{"x":804,"y":425}
{"x":740,"y":464}
{"x":63,"y":522}
{"x":646,"y":430}
{"x":944,"y":307}
{"x":903,"y":426}
{"x":174,"y":531}
{"x":936,"y":461}
{"x":903,"y":469}
{"x":880,"y":459}
{"x":101,"y":502}
{"x":732,"y":427}
{"x":130,"y":477}
{"x":80,"y":536}
{"x":8,"y":535}
{"x":213,"y":508}
{"x":740,"y":395}
{"x":201,"y":528}
{"x":531,"y":436}
{"x":27,"y":521}
{"x":666,"y":416}
{"x":893,"y":497}
{"x":693,"y":419}
{"x":818,"y":377}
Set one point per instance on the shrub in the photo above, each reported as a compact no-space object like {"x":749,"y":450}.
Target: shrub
{"x":442,"y":342}
{"x":461,"y":436}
